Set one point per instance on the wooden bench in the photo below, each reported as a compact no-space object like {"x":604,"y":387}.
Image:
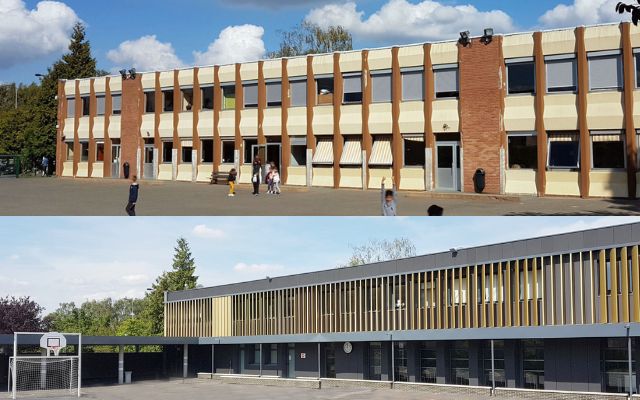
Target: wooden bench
{"x":219,"y":178}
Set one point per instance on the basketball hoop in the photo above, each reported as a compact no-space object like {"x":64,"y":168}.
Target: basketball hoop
{"x":53,"y":342}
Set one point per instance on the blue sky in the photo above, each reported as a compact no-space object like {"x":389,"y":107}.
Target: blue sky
{"x":180,"y":28}
{"x":57,"y":260}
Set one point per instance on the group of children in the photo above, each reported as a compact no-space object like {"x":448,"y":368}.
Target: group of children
{"x":272,"y":179}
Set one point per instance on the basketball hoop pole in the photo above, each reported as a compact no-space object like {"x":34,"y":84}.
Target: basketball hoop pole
{"x":15,"y":356}
{"x":79,"y":362}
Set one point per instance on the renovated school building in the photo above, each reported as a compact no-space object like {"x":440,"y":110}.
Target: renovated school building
{"x":555,"y":313}
{"x":542,"y":113}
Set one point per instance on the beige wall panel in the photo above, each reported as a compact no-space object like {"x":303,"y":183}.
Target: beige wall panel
{"x":520,"y":113}
{"x":166,"y":125}
{"x":605,"y":37}
{"x":605,"y":110}
{"x":115,"y":83}
{"x":322,"y":176}
{"x":166,"y":79}
{"x":225,"y":167}
{"x":272,"y":69}
{"x":245,"y":173}
{"x":521,"y":181}
{"x":608,"y":184}
{"x":444,"y":53}
{"x":148,"y":81}
{"x":227,"y":73}
{"x":205,"y":76}
{"x":205,"y":125}
{"x":100,"y":85}
{"x":97,"y":170}
{"x":84,"y":86}
{"x":445,"y":112}
{"x":249,"y":123}
{"x":185,"y":173}
{"x":323,"y":64}
{"x":520,"y":45}
{"x":185,"y":125}
{"x":323,"y":120}
{"x":83,"y":128}
{"x":411,"y":56}
{"x":70,"y":88}
{"x":351,"y":61}
{"x":563,"y":183}
{"x":204,"y":172}
{"x":67,"y":168}
{"x":559,"y":42}
{"x":114,"y":126}
{"x":68,"y":128}
{"x":635,"y":36}
{"x":249,"y":71}
{"x":379,"y":59}
{"x":636,"y":108}
{"x":561,"y":112}
{"x":380,"y":118}
{"x":297,"y":176}
{"x":185,"y":77}
{"x":297,"y":66}
{"x":98,"y":127}
{"x":411,"y":118}
{"x":376,"y":175}
{"x":227,"y":123}
{"x":83,"y":170}
{"x":351,"y":177}
{"x":351,"y":120}
{"x":147,"y":128}
{"x":297,"y":121}
{"x":272,"y":123}
{"x":412,"y":179}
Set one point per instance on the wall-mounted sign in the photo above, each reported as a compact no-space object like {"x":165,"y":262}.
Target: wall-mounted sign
{"x":303,"y":355}
{"x":347,"y":347}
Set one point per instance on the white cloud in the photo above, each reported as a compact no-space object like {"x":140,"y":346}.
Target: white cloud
{"x":257,"y":268}
{"x":401,"y":20}
{"x":271,"y":4}
{"x":234,"y":44}
{"x":203,"y":231}
{"x":581,"y":12}
{"x":146,"y":53}
{"x":27,"y":34}
{"x":14,"y":257}
{"x":136,"y":279}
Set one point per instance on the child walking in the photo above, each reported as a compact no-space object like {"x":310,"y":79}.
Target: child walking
{"x":275,"y":181}
{"x":233,"y":175}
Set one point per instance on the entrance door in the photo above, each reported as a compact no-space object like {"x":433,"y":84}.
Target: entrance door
{"x":330,"y":361}
{"x":148,"y":161}
{"x":448,"y":170}
{"x":268,"y":153}
{"x":291,"y":362}
{"x":115,"y":161}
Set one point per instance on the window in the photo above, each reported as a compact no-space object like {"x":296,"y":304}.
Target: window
{"x":167,"y":152}
{"x":71,"y":107}
{"x":298,"y":92}
{"x":459,"y":363}
{"x":273,"y":354}
{"x":352,"y":151}
{"x":100,"y":105}
{"x":187,"y":99}
{"x":100,"y":151}
{"x":375,"y":361}
{"x":561,"y":73}
{"x":250,"y":91}
{"x":352,"y":88}
{"x":256,"y":354}
{"x":605,"y":70}
{"x":116,"y":104}
{"x":69,"y":146}
{"x":274,"y":94}
{"x":381,"y":154}
{"x":615,"y":365}
{"x":636,"y":57}
{"x":414,"y":151}
{"x":608,"y":150}
{"x":167,"y":97}
{"x":187,"y":148}
{"x":521,"y":76}
{"x":381,"y":86}
{"x":207,"y":97}
{"x":228,"y":151}
{"x":324,"y":151}
{"x":150,"y":102}
{"x":498,"y":362}
{"x":533,"y":364}
{"x":401,"y":362}
{"x":446,"y":81}
{"x":522,"y":150}
{"x":229,"y":97}
{"x":428,"y":363}
{"x":412,"y":84}
{"x":84,"y":151}
{"x":564,"y":150}
{"x":206,"y":150}
{"x":248,"y":150}
{"x":86,"y":101}
{"x":298,"y":151}
{"x":324,"y":86}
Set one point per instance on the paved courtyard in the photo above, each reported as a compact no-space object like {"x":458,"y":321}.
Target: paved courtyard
{"x":82,"y":197}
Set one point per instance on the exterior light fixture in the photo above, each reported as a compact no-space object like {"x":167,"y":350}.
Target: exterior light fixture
{"x":123,"y":73}
{"x":132,"y":74}
{"x":464,"y":38}
{"x":488,"y":36}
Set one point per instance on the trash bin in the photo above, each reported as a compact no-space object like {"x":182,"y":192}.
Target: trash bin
{"x":125,"y":169}
{"x":127,"y":377}
{"x":479,"y":180}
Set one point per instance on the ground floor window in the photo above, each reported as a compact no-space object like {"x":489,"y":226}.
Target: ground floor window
{"x":248,"y":150}
{"x":459,"y":363}
{"x":100,"y":151}
{"x":608,"y":150}
{"x":206,"y":149}
{"x":615,"y":366}
{"x":84,"y":151}
{"x":375,"y":361}
{"x":330,"y":360}
{"x":401,"y":362}
{"x":523,"y":150}
{"x":428,"y":363}
{"x":187,"y":152}
{"x":564,"y":150}
{"x":272,"y":354}
{"x":69,"y":150}
{"x":533,"y":364}
{"x":167,"y":152}
{"x":498,"y":360}
{"x":228,"y":151}
{"x":414,"y":151}
{"x":256,"y":354}
{"x":298,"y":151}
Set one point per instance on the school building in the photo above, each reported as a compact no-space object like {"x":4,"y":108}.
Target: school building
{"x":558,"y":313}
{"x":542,"y":113}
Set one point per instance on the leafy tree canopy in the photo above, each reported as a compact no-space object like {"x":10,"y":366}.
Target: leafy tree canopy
{"x":380,"y":250}
{"x":308,"y":38}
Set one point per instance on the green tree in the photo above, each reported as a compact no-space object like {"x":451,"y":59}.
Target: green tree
{"x":309,"y":38}
{"x":380,"y":250}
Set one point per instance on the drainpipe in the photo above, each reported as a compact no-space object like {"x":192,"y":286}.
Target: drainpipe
{"x":319,"y":368}
{"x":393,"y":360}
{"x":493,"y":370}
{"x":260,"y":359}
{"x":213,"y":360}
{"x":629,"y":360}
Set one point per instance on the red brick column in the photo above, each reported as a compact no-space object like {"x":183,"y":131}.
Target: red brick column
{"x":131,"y":120}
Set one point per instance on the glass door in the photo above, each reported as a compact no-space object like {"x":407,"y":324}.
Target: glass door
{"x":291,"y":362}
{"x":115,"y":161}
{"x":448,"y":158}
{"x":148,"y":161}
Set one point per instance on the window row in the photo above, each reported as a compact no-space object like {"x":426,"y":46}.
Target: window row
{"x":85,"y":105}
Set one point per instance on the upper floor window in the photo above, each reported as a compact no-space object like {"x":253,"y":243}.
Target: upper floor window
{"x":116,"y":104}
{"x":250,"y":95}
{"x":150,"y":101}
{"x":274,"y":94}
{"x":636,"y":59}
{"x":412,"y":84}
{"x":207,"y":97}
{"x":71,"y":107}
{"x":100,"y":104}
{"x":352,"y":88}
{"x":167,"y":100}
{"x":605,"y":70}
{"x":186,"y":94}
{"x":521,"y":76}
{"x":446,"y":81}
{"x":381,"y":86}
{"x":86,"y":101}
{"x":229,"y":96}
{"x":561,"y":73}
{"x":324,"y":89}
{"x":298,"y":88}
